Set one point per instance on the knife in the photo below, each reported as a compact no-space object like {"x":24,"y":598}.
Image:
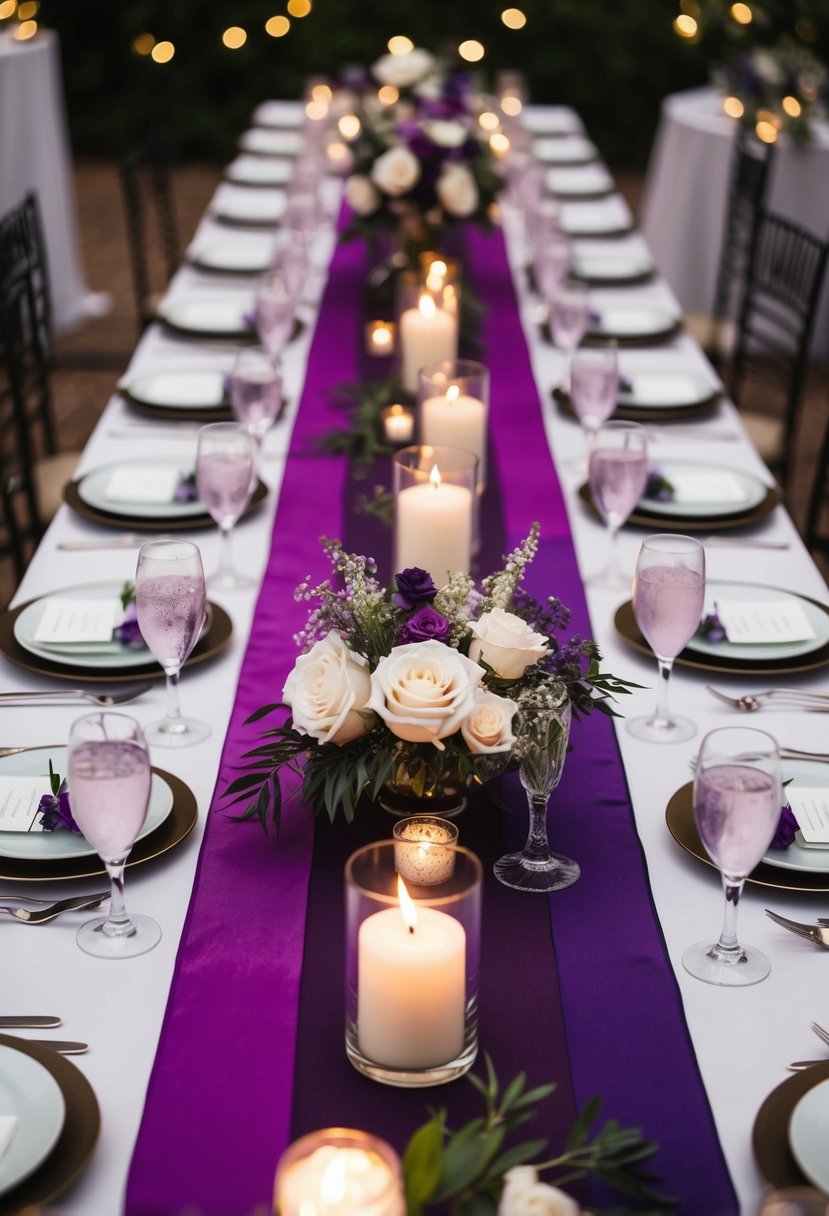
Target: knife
{"x":800,"y":1065}
{"x":64,"y":1047}
{"x":41,"y":1022}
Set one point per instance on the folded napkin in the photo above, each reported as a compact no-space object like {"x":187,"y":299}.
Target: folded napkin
{"x":8,"y":1126}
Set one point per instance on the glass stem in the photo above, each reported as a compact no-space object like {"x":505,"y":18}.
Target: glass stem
{"x":613,"y":573}
{"x":590,"y":443}
{"x":174,"y":718}
{"x":728,"y":948}
{"x":117,"y":924}
{"x":661,"y":717}
{"x":537,"y":847}
{"x":225,"y":563}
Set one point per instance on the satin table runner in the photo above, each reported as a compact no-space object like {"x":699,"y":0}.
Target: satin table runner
{"x":576,"y":988}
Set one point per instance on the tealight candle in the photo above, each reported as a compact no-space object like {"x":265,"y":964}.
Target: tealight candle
{"x":380,"y":339}
{"x":428,"y":334}
{"x":398,"y":424}
{"x":420,"y":854}
{"x":339,"y":1172}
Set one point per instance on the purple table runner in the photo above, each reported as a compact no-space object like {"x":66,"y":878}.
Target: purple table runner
{"x":251,"y":1052}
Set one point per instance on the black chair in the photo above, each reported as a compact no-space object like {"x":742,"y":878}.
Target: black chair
{"x":152,"y":230}
{"x":816,"y":530}
{"x":774,"y":333}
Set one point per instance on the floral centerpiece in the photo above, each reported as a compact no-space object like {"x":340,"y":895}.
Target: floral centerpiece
{"x":780,"y":88}
{"x":420,"y":688}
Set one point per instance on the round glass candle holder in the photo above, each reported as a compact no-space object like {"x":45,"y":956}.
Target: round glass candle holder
{"x":412,"y":966}
{"x":453,"y":408}
{"x":420,"y":851}
{"x":435,"y":508}
{"x":341,"y":1171}
{"x":441,"y":276}
{"x":398,"y":425}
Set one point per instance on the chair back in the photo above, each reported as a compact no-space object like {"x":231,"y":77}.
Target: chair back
{"x":152,"y":230}
{"x":816,"y":531}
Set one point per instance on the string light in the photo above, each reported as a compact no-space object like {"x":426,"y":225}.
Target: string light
{"x":387,"y":95}
{"x":26,"y":29}
{"x":7,"y":9}
{"x":686,"y":26}
{"x":471,"y":50}
{"x":512,"y":106}
{"x":299,"y":8}
{"x":742,"y":14}
{"x":513,"y":18}
{"x":792,"y":106}
{"x":27,"y":10}
{"x":277,"y":26}
{"x":399,"y":44}
{"x":163,"y":52}
{"x":234,"y":37}
{"x":143,"y":44}
{"x":489,"y":121}
{"x":733,"y":107}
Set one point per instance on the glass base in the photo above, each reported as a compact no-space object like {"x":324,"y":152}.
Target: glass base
{"x":411,"y":1078}
{"x":230,"y":582}
{"x":706,"y":963}
{"x":145,"y":934}
{"x":523,"y":874}
{"x":176,"y":732}
{"x":661,"y":730}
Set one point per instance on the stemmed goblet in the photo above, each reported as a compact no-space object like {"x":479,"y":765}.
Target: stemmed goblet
{"x":594,"y":391}
{"x":544,"y":738}
{"x":256,"y":392}
{"x":737,"y":799}
{"x":109,"y":780}
{"x":569,"y":318}
{"x":618,"y":473}
{"x":225,"y":474}
{"x":274,"y":312}
{"x":169,"y":604}
{"x":668,"y":596}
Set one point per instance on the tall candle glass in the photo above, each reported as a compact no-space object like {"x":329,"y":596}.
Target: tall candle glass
{"x":225,"y":477}
{"x":435,"y":504}
{"x":412,"y":963}
{"x":454,"y":408}
{"x":618,"y":473}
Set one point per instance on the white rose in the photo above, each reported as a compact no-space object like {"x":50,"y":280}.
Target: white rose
{"x":506,"y":643}
{"x":524,"y":1195}
{"x":403,"y":71}
{"x":423,"y":691}
{"x":517,"y":1182}
{"x":395,"y":171}
{"x":457,"y":190}
{"x":489,"y":727}
{"x":361,"y":195}
{"x":445,"y":133}
{"x":327,"y":690}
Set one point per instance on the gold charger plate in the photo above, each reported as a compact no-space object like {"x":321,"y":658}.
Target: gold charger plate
{"x":693,"y":523}
{"x":175,"y":828}
{"x":655,"y":337}
{"x":679,"y":816}
{"x":770,"y":1134}
{"x":626,"y":627}
{"x":641,"y":413}
{"x":183,"y":523}
{"x":76,"y":1142}
{"x":172,"y":413}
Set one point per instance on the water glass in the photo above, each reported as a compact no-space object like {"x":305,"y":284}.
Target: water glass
{"x":737,"y":800}
{"x":170,"y":606}
{"x":594,"y":390}
{"x":256,"y":392}
{"x":569,"y":319}
{"x":274,"y":312}
{"x":552,"y":265}
{"x":109,"y":780}
{"x":668,"y":595}
{"x":290,"y":262}
{"x":225,"y":477}
{"x":618,"y":473}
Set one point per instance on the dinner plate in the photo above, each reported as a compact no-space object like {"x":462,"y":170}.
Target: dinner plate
{"x":742,"y":660}
{"x":551,"y":120}
{"x":752,"y":491}
{"x":92,"y":488}
{"x":62,"y":845}
{"x":633,"y":324}
{"x":78,"y":1135}
{"x":170,"y":832}
{"x":808,"y":1135}
{"x":284,"y":114}
{"x":264,"y":142}
{"x":680,"y":389}
{"x":30,"y":1093}
{"x":564,"y":149}
{"x":249,"y":253}
{"x":178,"y":394}
{"x":250,"y":170}
{"x":581,"y":181}
{"x":770,"y":1135}
{"x":643,"y":517}
{"x":613,"y":268}
{"x":136,"y":518}
{"x":607,"y":218}
{"x":210,"y":315}
{"x":249,"y":208}
{"x":100,"y":655}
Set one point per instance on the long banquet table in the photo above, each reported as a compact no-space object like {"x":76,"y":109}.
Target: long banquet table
{"x":741,"y":1040}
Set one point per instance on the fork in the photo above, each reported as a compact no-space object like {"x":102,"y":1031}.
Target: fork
{"x":58,"y":696}
{"x":818,"y":701}
{"x":814,"y":933}
{"x":821,"y":1033}
{"x":41,"y":916}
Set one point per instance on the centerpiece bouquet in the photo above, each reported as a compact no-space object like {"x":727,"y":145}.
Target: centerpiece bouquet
{"x":416,"y":688}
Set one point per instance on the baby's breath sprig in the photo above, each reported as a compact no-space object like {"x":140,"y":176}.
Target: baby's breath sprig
{"x":500,"y":587}
{"x":453,"y":602}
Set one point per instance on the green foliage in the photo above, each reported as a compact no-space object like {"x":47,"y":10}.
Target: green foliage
{"x":361,"y":439}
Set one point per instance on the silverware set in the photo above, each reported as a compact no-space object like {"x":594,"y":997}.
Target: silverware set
{"x":783,"y":698}
{"x":61,"y":696}
{"x":800,"y":1065}
{"x":23,"y":1021}
{"x":42,"y":912}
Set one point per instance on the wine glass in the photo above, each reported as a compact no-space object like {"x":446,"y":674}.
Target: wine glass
{"x":109,"y":781}
{"x":169,"y":604}
{"x":544,"y":734}
{"x":668,"y":595}
{"x":256,"y":392}
{"x":225,"y":475}
{"x":552,"y":264}
{"x":290,"y":261}
{"x":594,"y":391}
{"x":737,"y":799}
{"x":273,"y":313}
{"x":569,"y":318}
{"x":617,"y":473}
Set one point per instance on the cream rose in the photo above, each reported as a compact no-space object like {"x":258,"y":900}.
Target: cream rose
{"x":506,"y":643}
{"x":524,"y":1195}
{"x":403,"y":71}
{"x":457,"y":190}
{"x":327,"y":690}
{"x":489,"y":726}
{"x":445,"y":133}
{"x":395,"y":171}
{"x":424,"y":691}
{"x":361,"y":194}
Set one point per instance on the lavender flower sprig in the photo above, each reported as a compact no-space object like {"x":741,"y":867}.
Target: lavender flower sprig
{"x":54,"y":809}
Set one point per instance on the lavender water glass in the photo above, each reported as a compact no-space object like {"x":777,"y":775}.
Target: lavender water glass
{"x":256,"y":392}
{"x":569,"y":318}
{"x":225,"y":477}
{"x":617,"y":472}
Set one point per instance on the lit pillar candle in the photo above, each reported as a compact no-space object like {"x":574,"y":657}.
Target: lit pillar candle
{"x":428,"y":334}
{"x":339,"y":1172}
{"x":433,"y":525}
{"x":411,"y":998}
{"x":456,"y":421}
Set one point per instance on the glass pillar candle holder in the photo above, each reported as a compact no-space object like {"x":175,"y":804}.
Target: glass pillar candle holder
{"x":380,"y":339}
{"x":398,"y":425}
{"x":441,"y":276}
{"x":454,"y":408}
{"x":412,"y":964}
{"x":341,"y":1172}
{"x":427,"y":327}
{"x":435,"y":498}
{"x":420,"y":852}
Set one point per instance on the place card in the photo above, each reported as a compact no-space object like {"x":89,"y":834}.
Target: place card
{"x":707,"y":486}
{"x":150,"y":484}
{"x":810,"y":808}
{"x":76,"y":622}
{"x":8,"y":1126}
{"x":19,"y":800}
{"x":763,"y":621}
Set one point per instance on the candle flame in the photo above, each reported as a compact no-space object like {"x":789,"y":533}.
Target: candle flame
{"x":435,"y":477}
{"x":438,"y":267}
{"x":395,"y":410}
{"x":382,"y":337}
{"x":407,"y":906}
{"x":427,"y":305}
{"x":332,"y":1183}
{"x":453,"y":392}
{"x":307,"y":1207}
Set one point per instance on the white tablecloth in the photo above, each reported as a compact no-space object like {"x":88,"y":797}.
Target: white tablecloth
{"x":683,"y":208}
{"x":743,"y":1039}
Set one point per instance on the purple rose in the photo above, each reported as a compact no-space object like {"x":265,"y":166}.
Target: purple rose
{"x":712,"y":628}
{"x":658,"y":487}
{"x":425,"y":625}
{"x":414,"y":586}
{"x":186,"y":489}
{"x":55,"y":811}
{"x":786,"y":828}
{"x":128,"y":632}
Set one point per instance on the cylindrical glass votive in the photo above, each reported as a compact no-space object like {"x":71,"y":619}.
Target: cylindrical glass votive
{"x":398,"y":425}
{"x":412,"y":963}
{"x":420,"y":852}
{"x":339,"y":1171}
{"x":454,"y":407}
{"x":435,"y":492}
{"x":427,"y":328}
{"x":441,"y":276}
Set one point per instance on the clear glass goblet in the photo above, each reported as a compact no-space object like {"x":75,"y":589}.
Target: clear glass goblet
{"x":225,"y":477}
{"x":544,"y":745}
{"x":256,"y":392}
{"x":290,"y":262}
{"x":594,"y":391}
{"x":274,"y":311}
{"x":617,"y":473}
{"x":169,"y":604}
{"x":552,"y":264}
{"x":109,"y":780}
{"x":569,"y":318}
{"x":737,"y":799}
{"x":668,"y":596}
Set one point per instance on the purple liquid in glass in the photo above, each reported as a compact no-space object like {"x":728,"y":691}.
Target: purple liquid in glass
{"x":667,"y":603}
{"x":736,"y":809}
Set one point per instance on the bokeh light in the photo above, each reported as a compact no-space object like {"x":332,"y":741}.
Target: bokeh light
{"x":471,"y":50}
{"x":792,"y":107}
{"x":27,"y":10}
{"x":163,"y":52}
{"x":7,"y":9}
{"x":26,"y":29}
{"x":399,"y":44}
{"x":234,"y":37}
{"x":299,"y":8}
{"x":143,"y":44}
{"x":387,"y":95}
{"x":277,"y":26}
{"x":742,"y":14}
{"x":512,"y":105}
{"x":489,"y":121}
{"x":733,"y":107}
{"x":514,"y":19}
